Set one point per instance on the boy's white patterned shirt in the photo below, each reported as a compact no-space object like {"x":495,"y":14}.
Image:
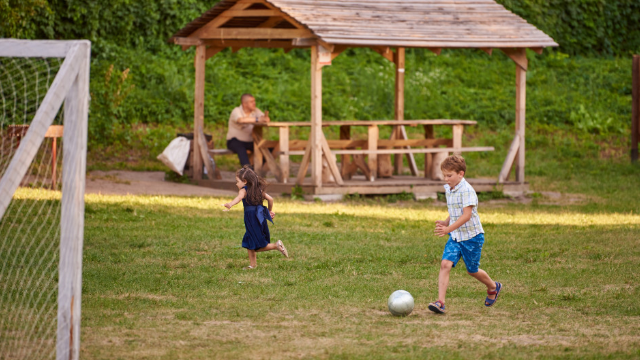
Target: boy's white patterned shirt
{"x":458,"y":198}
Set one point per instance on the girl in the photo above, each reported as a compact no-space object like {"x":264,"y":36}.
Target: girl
{"x":257,"y":237}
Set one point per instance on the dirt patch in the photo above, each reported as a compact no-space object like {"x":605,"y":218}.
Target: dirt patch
{"x":120,"y":182}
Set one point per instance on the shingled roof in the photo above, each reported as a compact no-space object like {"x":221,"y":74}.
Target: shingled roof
{"x":397,"y":23}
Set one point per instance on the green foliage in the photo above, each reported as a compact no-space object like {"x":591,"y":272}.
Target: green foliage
{"x":107,"y":97}
{"x":297,"y":193}
{"x":25,"y":19}
{"x":585,"y":26}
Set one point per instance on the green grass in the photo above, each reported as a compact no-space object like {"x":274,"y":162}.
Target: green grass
{"x":163,"y":279}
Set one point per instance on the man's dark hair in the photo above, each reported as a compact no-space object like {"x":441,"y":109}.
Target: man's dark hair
{"x":245,"y":95}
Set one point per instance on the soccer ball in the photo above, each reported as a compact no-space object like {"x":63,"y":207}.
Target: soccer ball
{"x":400,"y":303}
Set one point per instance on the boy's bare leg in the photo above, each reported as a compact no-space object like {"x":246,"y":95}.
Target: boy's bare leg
{"x":268,"y":248}
{"x":484,"y":278}
{"x":443,"y":279}
{"x":252,"y":258}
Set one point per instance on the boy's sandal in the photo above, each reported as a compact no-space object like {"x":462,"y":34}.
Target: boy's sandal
{"x":281,"y":248}
{"x":437,"y":307}
{"x":489,"y":302}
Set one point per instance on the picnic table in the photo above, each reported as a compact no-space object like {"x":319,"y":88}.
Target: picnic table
{"x":352,"y":151}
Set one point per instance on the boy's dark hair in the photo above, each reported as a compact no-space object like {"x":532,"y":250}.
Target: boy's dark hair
{"x":255,"y":184}
{"x":454,"y":163}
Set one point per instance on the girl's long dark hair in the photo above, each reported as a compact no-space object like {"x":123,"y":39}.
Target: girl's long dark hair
{"x":255,"y":184}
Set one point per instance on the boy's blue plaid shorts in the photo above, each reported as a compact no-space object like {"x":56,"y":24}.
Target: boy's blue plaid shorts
{"x":469,"y":250}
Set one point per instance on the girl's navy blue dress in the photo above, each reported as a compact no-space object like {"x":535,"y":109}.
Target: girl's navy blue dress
{"x":255,"y":223}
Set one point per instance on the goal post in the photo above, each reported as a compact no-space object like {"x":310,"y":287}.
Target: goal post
{"x":71,"y":87}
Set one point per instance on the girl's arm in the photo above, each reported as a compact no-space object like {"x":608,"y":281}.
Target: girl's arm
{"x":241,"y":195}
{"x":442,"y":230}
{"x":269,"y":204}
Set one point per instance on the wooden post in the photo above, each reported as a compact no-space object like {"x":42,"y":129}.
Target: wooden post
{"x":428,"y":158}
{"x":373,"y":145}
{"x":399,"y":103}
{"x":198,"y":109}
{"x":258,"y":158}
{"x":76,"y":109}
{"x":284,"y":159}
{"x":521,"y":96}
{"x":457,"y":138}
{"x":316,"y":119}
{"x":635,"y":108}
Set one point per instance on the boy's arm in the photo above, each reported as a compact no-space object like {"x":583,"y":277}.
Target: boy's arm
{"x":443,"y":222}
{"x":235,"y":201}
{"x":442,"y":230}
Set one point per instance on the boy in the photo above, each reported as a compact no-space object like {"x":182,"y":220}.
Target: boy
{"x":466,"y":235}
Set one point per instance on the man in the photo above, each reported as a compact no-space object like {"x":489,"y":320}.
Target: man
{"x":241,"y":122}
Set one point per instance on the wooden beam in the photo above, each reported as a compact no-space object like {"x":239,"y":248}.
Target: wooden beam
{"x":211,"y":52}
{"x":508,"y":161}
{"x":305,"y":41}
{"x":331,"y":160}
{"x":457,"y":137}
{"x":428,"y":158}
{"x":373,"y":145}
{"x":248,"y":43}
{"x":204,"y":152}
{"x":326,"y":45}
{"x":435,"y":50}
{"x":254,"y":33}
{"x":518,"y":55}
{"x":198,"y":108}
{"x":537,"y":50}
{"x":219,"y":20}
{"x":272,"y":22}
{"x":635,"y":107}
{"x":186,"y":42}
{"x":252,"y":13}
{"x":304,"y":165}
{"x":521,"y":98}
{"x":316,"y":118}
{"x":284,"y":146}
{"x":399,"y":103}
{"x":487,"y":50}
{"x":385,"y":51}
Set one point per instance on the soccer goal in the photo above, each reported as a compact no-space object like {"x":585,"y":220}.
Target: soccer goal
{"x":44,"y":94}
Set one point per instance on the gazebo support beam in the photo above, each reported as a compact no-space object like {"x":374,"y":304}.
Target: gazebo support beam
{"x":198,"y":109}
{"x":316,"y":119}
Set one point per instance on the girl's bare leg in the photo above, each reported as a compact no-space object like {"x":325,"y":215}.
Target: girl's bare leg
{"x":484,"y":278}
{"x":268,"y":248}
{"x":252,"y":258}
{"x":443,"y":279}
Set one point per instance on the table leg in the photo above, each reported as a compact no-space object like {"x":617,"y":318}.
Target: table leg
{"x":284,"y":158}
{"x":373,"y":145}
{"x":428,"y":158}
{"x":257,"y":154}
{"x":457,"y":138}
{"x":345,"y":160}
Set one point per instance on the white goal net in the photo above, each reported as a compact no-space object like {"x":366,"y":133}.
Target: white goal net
{"x":44,"y":89}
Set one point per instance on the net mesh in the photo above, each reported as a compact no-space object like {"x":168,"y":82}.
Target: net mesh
{"x":30,"y":228}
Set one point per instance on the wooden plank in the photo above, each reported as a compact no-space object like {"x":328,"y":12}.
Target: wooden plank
{"x":428,"y":158}
{"x":284,"y":159}
{"x":76,"y":110}
{"x":44,"y":117}
{"x":385,"y":51}
{"x":331,"y":160}
{"x":457,"y":137}
{"x":55,"y":131}
{"x":304,"y":165}
{"x":219,"y":20}
{"x":370,"y":122}
{"x":254,"y":33}
{"x":508,"y":161}
{"x":316,"y":118}
{"x":36,"y":48}
{"x":252,"y":13}
{"x":409,"y":151}
{"x":413,"y":167}
{"x":521,"y":98}
{"x":635,"y":107}
{"x":198,"y":107}
{"x":204,"y":152}
{"x":272,"y":22}
{"x":399,"y":60}
{"x":373,"y":134}
{"x":186,"y":42}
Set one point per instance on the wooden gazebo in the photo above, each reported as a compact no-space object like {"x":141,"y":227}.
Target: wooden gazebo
{"x":387,"y":27}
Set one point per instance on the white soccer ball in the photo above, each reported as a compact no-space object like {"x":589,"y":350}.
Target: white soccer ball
{"x":400,"y":303}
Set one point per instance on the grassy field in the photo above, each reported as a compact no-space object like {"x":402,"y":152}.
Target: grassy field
{"x":164,"y":278}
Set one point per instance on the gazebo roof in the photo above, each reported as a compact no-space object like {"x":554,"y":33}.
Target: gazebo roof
{"x":396,"y":23}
